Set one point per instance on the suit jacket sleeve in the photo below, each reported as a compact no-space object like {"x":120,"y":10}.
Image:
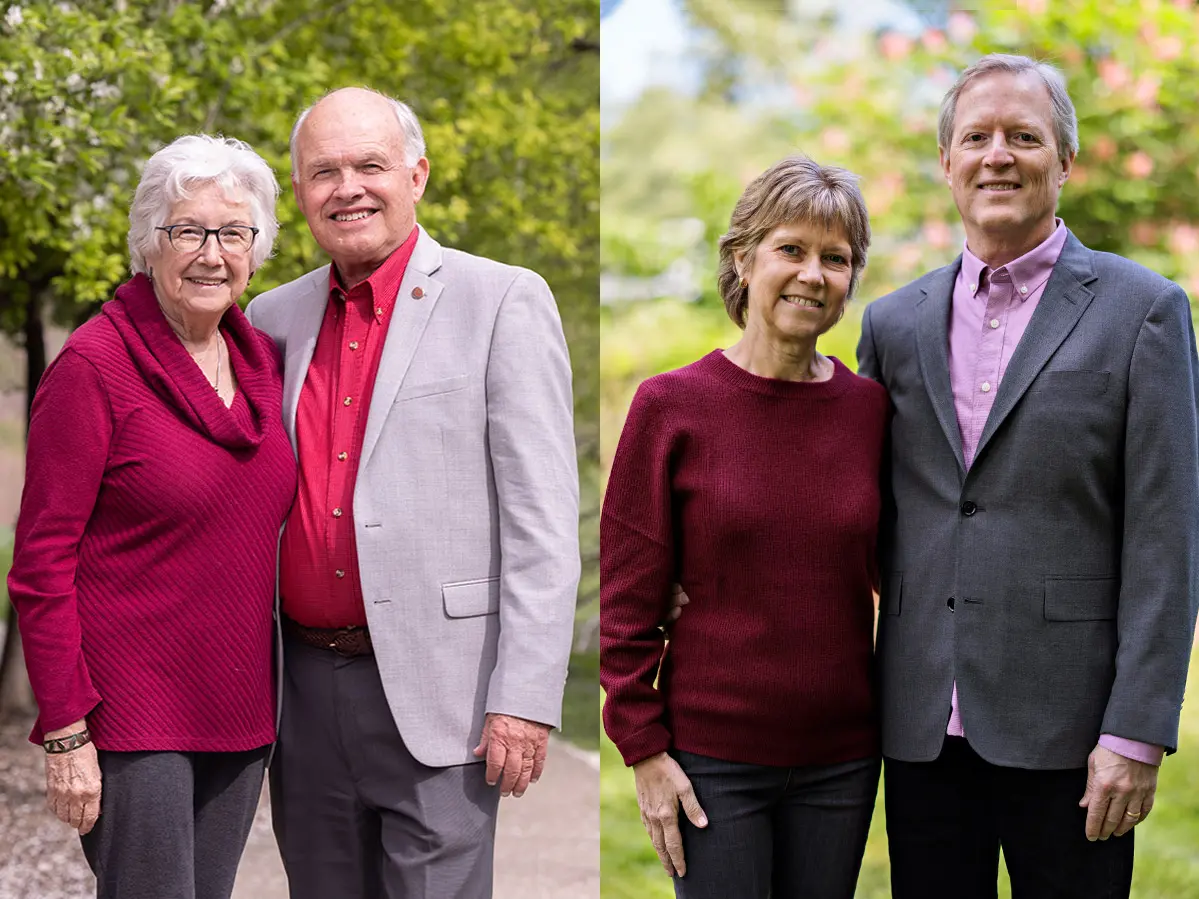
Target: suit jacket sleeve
{"x":1159,"y":591}
{"x":531,"y":441}
{"x":867,"y":357}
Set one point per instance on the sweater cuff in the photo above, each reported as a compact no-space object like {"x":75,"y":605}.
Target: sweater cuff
{"x":644,"y":743}
{"x":1133,"y":749}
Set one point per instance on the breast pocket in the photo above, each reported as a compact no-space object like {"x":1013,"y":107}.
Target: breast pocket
{"x":1072,"y":383}
{"x":432,"y":388}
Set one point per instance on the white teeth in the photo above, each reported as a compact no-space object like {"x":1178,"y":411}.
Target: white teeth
{"x":803,"y":301}
{"x":1000,"y":186}
{"x":204,"y":282}
{"x":352,"y":217}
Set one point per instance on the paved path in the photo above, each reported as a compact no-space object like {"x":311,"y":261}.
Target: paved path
{"x":547,"y":848}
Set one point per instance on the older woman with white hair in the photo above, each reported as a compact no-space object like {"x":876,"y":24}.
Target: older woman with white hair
{"x":158,"y":475}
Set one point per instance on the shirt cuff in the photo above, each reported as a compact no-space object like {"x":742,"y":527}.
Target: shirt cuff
{"x":1133,"y":749}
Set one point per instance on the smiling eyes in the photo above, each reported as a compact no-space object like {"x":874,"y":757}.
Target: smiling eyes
{"x":369,"y":168}
{"x":796,"y":251}
{"x":1022,"y":137}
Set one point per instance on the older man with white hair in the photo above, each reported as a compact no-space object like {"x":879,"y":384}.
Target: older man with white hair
{"x":1040,"y":561}
{"x":428,"y":569}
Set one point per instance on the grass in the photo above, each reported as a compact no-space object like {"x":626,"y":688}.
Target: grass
{"x":1167,"y":849}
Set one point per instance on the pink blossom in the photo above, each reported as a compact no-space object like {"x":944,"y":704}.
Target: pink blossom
{"x":1146,"y":91}
{"x":1079,"y":175}
{"x":1143,"y":234}
{"x":1104,"y":148}
{"x":908,"y":257}
{"x":933,"y":40}
{"x":1184,"y":239}
{"x":1139,"y":165}
{"x":1114,"y":75}
{"x":1035,"y":7}
{"x":1167,"y":47}
{"x":961,"y":27}
{"x":937,"y":234}
{"x":895,"y":46}
{"x":835,"y":140}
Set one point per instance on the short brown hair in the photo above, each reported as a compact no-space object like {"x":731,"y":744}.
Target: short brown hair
{"x":795,"y":189}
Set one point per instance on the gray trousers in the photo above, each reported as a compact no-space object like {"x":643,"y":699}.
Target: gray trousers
{"x":172,"y":825}
{"x":355,"y":815}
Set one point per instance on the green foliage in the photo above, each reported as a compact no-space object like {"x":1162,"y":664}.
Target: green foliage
{"x":580,"y":714}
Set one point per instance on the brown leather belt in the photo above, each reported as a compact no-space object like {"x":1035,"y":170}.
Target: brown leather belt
{"x":345,"y":641}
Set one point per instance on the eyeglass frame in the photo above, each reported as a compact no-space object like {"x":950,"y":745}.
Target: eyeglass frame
{"x":169,"y":229}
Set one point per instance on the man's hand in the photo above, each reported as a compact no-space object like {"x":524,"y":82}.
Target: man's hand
{"x":678,"y":599}
{"x":514,"y":748}
{"x":1119,"y":793}
{"x":73,"y":782}
{"x":661,"y":788}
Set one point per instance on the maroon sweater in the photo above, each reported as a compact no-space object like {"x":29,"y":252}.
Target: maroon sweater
{"x":144,"y":568}
{"x":761,"y":498}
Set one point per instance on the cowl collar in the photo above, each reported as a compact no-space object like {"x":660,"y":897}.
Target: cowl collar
{"x":172,"y":373}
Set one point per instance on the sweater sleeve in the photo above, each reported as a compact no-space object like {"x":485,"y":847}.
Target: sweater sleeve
{"x":637,"y":566}
{"x":69,"y":434}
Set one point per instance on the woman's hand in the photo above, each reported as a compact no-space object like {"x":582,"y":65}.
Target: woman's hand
{"x":73,"y":782}
{"x":661,"y":788}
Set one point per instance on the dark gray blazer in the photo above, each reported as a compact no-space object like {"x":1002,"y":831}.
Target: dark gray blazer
{"x":1070,"y":550}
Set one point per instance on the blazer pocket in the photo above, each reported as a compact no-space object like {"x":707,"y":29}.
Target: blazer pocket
{"x":1075,"y":383}
{"x":892,"y":596}
{"x":468,"y":599}
{"x":1081,"y":598}
{"x":432,"y":388}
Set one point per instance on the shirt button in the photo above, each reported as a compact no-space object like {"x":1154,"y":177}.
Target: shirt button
{"x":994,"y":323}
{"x":1023,"y":288}
{"x":341,"y":457}
{"x":339,"y":573}
{"x":974,"y":287}
{"x":346,"y":401}
{"x":353,"y":344}
{"x":986,"y":387}
{"x":337,"y":513}
{"x":378,"y":310}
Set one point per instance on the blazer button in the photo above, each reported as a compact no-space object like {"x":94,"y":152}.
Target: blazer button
{"x":968,"y":508}
{"x":949,"y":602}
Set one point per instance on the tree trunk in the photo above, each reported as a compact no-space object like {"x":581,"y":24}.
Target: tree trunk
{"x":16,"y":695}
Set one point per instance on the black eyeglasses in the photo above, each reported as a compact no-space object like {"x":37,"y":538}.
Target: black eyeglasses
{"x":230,"y":238}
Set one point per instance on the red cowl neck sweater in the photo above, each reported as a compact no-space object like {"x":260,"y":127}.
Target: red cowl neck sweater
{"x":144,"y":568}
{"x":761,"y":498}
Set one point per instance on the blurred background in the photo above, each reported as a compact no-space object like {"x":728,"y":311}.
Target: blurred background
{"x":507,"y":91}
{"x":699,"y":96}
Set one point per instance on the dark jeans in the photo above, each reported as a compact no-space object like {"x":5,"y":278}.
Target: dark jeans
{"x":947,"y":819}
{"x":783,"y":833}
{"x":173,"y":825}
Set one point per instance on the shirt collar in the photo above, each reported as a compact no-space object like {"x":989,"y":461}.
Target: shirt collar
{"x":383,"y":284}
{"x":1028,"y":272}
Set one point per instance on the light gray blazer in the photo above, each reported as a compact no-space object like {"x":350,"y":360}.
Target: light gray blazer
{"x":1070,"y":549}
{"x":467,"y":498}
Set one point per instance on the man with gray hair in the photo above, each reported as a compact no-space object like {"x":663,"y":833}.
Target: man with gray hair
{"x":429,"y":566}
{"x":1040,"y":558}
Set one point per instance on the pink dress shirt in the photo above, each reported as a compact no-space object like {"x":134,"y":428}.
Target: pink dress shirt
{"x":990,"y":310}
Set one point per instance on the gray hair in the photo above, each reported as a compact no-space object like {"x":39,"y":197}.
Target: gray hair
{"x":795,"y":189}
{"x":1065,"y":120}
{"x":193,"y":161}
{"x":414,"y":138}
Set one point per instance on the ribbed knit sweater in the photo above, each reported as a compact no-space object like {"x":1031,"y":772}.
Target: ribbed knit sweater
{"x":761,"y":498}
{"x":144,"y":568}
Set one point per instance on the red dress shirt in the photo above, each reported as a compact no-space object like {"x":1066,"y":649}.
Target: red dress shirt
{"x":319,"y":585}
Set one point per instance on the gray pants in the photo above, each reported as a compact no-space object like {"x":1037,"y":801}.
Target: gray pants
{"x":776,"y":833}
{"x":172,"y":825}
{"x":356,"y":816}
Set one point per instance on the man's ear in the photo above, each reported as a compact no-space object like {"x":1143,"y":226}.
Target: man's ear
{"x":1067,"y":167}
{"x":944,"y":160}
{"x":420,"y":179}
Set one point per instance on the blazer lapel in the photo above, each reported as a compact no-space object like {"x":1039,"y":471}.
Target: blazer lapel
{"x":932,"y":344}
{"x":308,"y":312}
{"x":418,"y":295}
{"x":1062,"y":304}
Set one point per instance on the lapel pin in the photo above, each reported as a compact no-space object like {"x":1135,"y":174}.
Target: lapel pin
{"x":417,"y":293}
